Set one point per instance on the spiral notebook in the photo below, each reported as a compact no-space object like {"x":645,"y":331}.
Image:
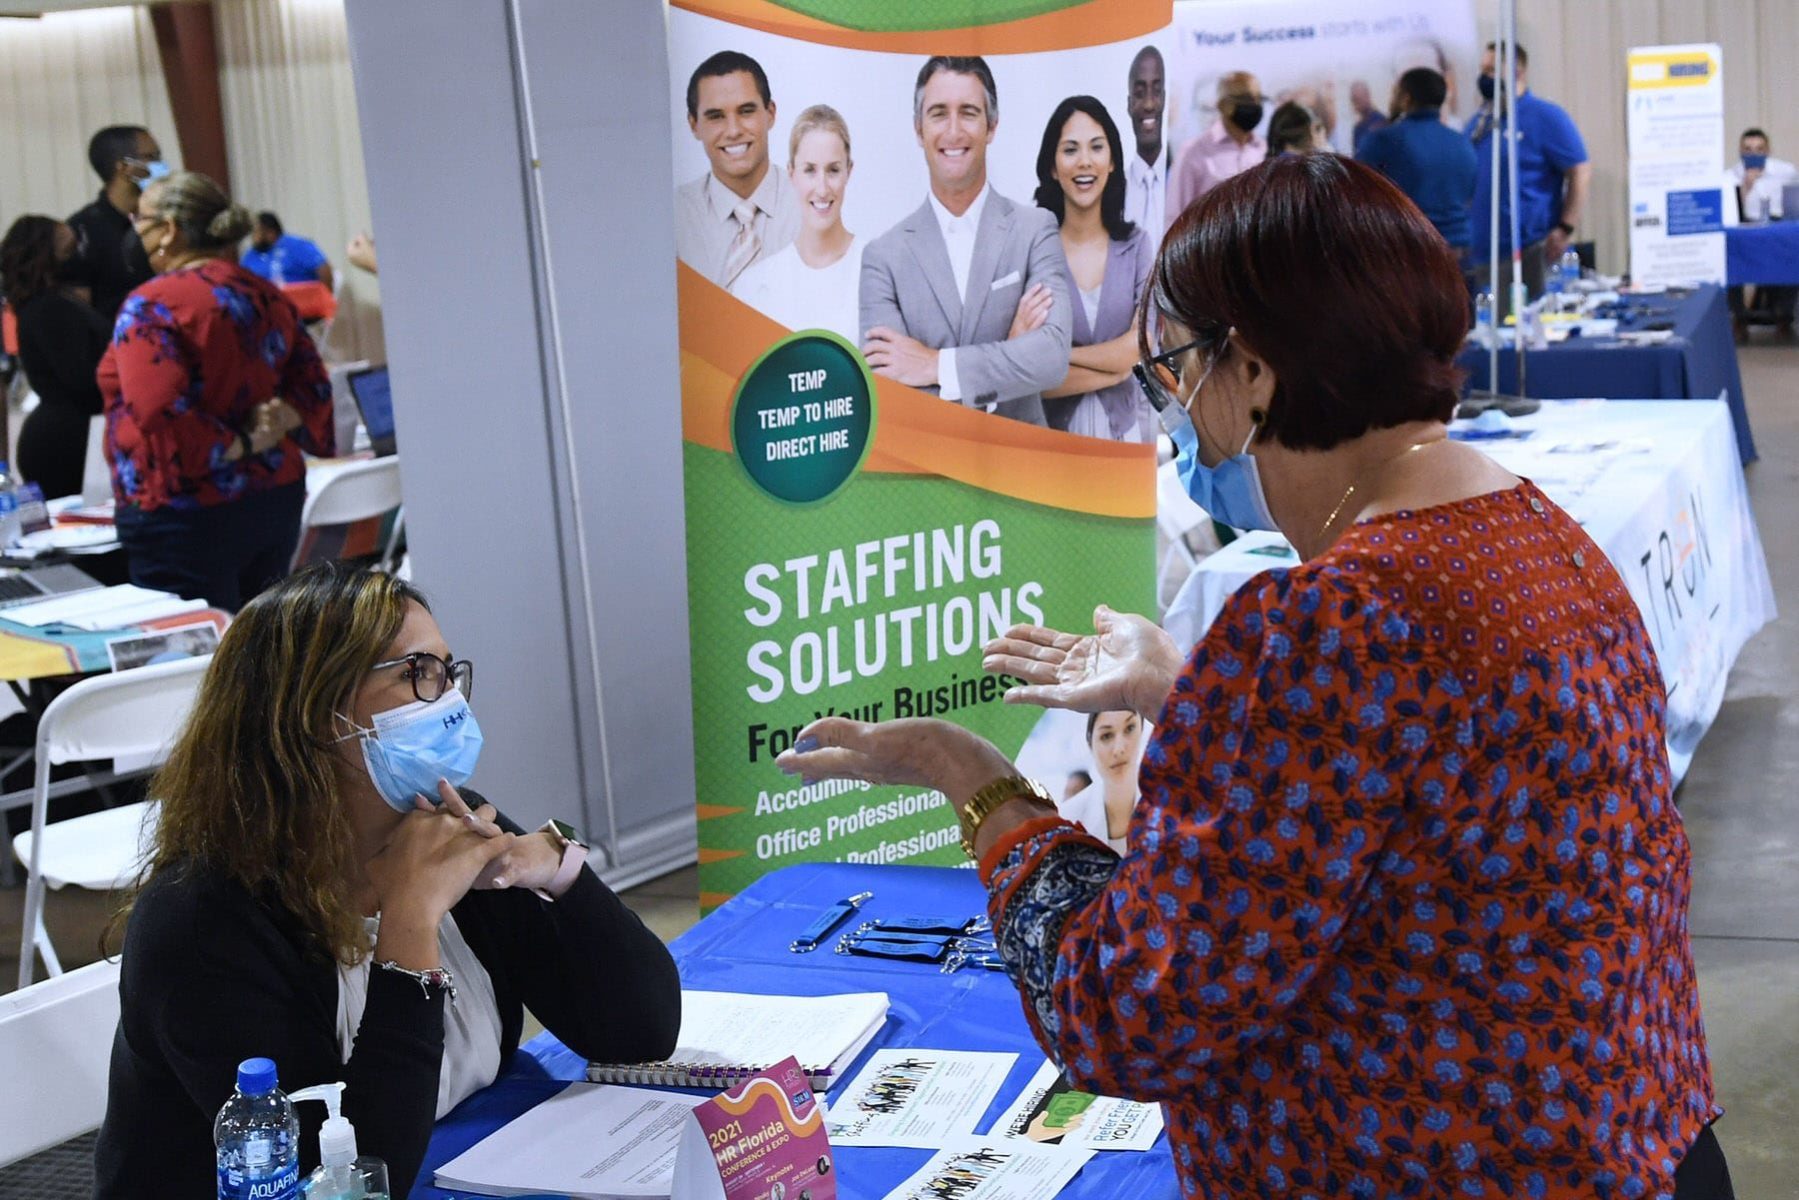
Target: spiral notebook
{"x":726,"y":1037}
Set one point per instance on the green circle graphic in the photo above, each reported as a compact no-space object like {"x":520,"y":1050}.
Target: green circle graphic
{"x":803,"y":417}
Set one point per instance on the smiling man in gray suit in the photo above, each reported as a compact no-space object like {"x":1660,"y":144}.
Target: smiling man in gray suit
{"x":967,"y":297}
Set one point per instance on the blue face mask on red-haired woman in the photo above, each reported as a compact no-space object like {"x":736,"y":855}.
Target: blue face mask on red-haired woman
{"x":1230,"y":492}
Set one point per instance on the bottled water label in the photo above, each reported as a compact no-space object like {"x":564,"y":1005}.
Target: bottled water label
{"x":259,"y":1185}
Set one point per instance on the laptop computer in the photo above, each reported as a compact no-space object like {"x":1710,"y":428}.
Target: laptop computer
{"x":24,"y":587}
{"x":374,"y":399}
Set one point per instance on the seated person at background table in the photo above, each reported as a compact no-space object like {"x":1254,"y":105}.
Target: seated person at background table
{"x":61,"y":339}
{"x":1761,"y":181}
{"x":1104,"y":807}
{"x":1432,"y":163}
{"x":1293,"y":129}
{"x":1404,"y":909}
{"x":741,"y":210}
{"x":282,"y":257}
{"x":811,"y":284}
{"x":967,"y":298}
{"x":318,"y":893}
{"x":1080,"y":183}
{"x":213,"y":390}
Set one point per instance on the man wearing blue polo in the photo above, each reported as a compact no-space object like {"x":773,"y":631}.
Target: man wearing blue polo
{"x":1553,"y":178}
{"x":1431,"y":163}
{"x":283,"y":257}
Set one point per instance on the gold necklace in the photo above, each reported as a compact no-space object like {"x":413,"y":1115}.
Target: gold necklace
{"x":1357,"y":482}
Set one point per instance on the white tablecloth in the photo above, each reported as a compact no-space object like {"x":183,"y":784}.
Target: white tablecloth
{"x":1658,"y":486}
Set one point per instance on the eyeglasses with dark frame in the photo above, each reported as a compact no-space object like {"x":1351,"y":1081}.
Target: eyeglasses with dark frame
{"x":1157,"y":376}
{"x":432,"y":676}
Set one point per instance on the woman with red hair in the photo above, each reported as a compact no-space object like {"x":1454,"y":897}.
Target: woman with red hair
{"x":1403,"y":908}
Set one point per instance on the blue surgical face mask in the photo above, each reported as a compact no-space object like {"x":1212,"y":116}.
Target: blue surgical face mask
{"x":1755,"y":162}
{"x":156,"y":168}
{"x":1230,"y":492}
{"x":411,"y":747}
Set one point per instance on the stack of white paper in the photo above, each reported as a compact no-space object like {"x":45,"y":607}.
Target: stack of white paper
{"x":104,"y":608}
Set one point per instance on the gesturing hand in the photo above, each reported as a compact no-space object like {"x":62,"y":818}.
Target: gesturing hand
{"x":1129,"y":662}
{"x":931,"y":753}
{"x":1033,"y":311}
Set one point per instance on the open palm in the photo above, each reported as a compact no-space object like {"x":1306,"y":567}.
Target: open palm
{"x":1128,"y":662}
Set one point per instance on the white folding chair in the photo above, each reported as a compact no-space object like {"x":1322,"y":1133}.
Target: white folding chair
{"x":134,"y":715}
{"x":356,"y":492}
{"x":55,"y":1045}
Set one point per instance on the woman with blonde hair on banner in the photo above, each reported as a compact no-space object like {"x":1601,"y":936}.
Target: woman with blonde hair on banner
{"x":1081,"y":181}
{"x":811,"y":284}
{"x":1404,"y":909}
{"x":1104,"y":807}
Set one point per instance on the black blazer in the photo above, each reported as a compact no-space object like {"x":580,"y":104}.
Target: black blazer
{"x":211,"y":975}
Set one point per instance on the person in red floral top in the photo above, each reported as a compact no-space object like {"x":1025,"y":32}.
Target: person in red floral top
{"x":213,"y":389}
{"x":1403,"y":908}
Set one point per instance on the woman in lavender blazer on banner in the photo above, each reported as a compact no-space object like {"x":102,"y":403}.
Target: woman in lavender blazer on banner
{"x":1080,"y":179}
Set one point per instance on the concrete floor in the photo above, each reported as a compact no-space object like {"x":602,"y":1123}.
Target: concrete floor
{"x":1739,"y":801}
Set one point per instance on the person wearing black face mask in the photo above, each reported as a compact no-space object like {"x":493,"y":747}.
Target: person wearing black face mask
{"x":61,"y":340}
{"x":1554,"y":178}
{"x":1228,"y":148}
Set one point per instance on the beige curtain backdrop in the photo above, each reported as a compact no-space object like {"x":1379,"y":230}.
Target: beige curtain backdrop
{"x":1577,"y":51}
{"x":62,"y":78}
{"x":295,"y":144}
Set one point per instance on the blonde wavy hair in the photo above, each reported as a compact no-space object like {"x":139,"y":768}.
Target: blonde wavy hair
{"x":200,"y":209}
{"x":251,"y":788}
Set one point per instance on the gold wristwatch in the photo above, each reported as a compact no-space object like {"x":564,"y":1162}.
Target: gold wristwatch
{"x":1012,"y":787}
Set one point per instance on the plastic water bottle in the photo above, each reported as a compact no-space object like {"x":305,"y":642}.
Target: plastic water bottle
{"x":1570,"y":269}
{"x":258,"y":1138}
{"x":1556,"y":279}
{"x":1483,"y":319}
{"x":9,"y":506}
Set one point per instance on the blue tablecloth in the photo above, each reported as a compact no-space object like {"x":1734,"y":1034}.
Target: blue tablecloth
{"x":743,"y":948}
{"x":1697,"y":363}
{"x":1762,"y":253}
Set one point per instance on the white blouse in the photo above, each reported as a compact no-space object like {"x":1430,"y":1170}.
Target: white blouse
{"x":1087,"y":808}
{"x":471,"y":1022}
{"x":783,"y":288}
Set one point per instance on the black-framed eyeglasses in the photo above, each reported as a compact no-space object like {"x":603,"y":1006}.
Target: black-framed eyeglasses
{"x":432,"y":676}
{"x":1157,"y":376}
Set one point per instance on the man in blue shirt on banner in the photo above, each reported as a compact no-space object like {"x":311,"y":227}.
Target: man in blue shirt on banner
{"x":1554,"y":178}
{"x":281,"y":257}
{"x":1431,"y":163}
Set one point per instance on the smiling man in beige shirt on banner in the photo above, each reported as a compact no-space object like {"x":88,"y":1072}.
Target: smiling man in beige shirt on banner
{"x":740,"y":211}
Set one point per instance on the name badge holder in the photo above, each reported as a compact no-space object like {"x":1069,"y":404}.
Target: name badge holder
{"x":814,"y":934}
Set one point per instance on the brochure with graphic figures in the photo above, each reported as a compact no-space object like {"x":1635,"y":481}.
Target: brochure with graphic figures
{"x":1053,"y":1112}
{"x":914,"y":1097}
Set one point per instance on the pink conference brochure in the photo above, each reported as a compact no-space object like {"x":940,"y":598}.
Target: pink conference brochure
{"x":763,"y":1140}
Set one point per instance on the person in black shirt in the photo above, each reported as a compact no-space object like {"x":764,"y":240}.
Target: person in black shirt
{"x":61,"y":340}
{"x":304,"y":901}
{"x":109,"y":260}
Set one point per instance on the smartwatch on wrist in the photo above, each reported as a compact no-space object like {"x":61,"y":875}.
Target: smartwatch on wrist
{"x":1566,"y":228}
{"x":574,"y":856}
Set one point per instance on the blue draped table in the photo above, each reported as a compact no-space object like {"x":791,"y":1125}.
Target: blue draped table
{"x":1767,"y":254}
{"x":1697,"y":363}
{"x":742,"y":947}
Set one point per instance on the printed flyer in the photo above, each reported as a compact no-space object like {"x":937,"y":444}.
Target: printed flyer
{"x":913,"y":1097}
{"x":1051,"y":1112}
{"x":763,"y":1140}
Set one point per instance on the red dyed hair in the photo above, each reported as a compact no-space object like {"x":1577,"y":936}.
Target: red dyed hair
{"x":1333,"y":277}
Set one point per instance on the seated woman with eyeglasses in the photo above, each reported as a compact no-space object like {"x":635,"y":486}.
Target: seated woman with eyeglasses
{"x":319,"y":893}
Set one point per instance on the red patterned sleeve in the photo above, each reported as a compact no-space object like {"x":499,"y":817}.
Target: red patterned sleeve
{"x":1288,"y":751}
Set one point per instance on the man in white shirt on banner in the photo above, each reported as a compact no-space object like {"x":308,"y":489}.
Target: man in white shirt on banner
{"x":967,"y":297}
{"x":740,"y":211}
{"x":1146,"y":171}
